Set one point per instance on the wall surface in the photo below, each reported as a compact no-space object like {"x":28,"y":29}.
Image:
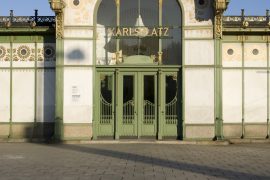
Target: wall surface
{"x":27,"y":86}
{"x":245,"y":90}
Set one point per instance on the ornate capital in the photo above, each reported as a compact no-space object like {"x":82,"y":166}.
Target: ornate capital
{"x":58,"y":6}
{"x":220,"y":7}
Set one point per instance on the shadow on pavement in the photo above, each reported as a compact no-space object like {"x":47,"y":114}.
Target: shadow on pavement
{"x":194,"y":168}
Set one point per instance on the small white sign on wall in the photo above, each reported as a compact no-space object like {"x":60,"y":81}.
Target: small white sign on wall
{"x":76,"y":96}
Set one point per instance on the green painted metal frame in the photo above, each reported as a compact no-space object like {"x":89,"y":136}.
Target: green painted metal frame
{"x":97,"y":68}
{"x":159,"y":73}
{"x":20,"y":37}
{"x":59,"y":95}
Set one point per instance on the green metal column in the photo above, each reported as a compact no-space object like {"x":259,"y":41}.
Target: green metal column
{"x":96,"y":105}
{"x":218,"y":91}
{"x":161,"y":103}
{"x":10,"y":86}
{"x":59,"y":134}
{"x":117,"y":105}
{"x":267,"y":136}
{"x":218,"y":74}
{"x":243,"y":89}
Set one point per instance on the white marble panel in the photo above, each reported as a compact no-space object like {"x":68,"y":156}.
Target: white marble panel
{"x":4,"y":95}
{"x":78,"y":52}
{"x":232,"y":55}
{"x":232,"y":96}
{"x":199,"y":96}
{"x":199,"y":33}
{"x":23,"y":55}
{"x":78,"y":95}
{"x":81,"y":14}
{"x":78,"y":32}
{"x":5,"y":55}
{"x":199,"y":52}
{"x":45,"y":95}
{"x":23,"y":95}
{"x":255,"y":96}
{"x":255,"y":55}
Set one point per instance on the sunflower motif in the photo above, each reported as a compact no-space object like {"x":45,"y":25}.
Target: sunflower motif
{"x":49,"y":52}
{"x":23,"y":52}
{"x":2,"y":52}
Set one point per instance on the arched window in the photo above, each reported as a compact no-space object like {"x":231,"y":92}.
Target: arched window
{"x":139,"y":27}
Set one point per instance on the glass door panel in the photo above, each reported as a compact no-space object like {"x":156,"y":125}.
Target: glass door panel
{"x":149,"y":116}
{"x":128,"y":99}
{"x":171,"y":106}
{"x":106,"y":105}
{"x":127,"y":105}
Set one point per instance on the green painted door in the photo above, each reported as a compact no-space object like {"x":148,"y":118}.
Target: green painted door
{"x":138,"y":104}
{"x":148,"y":104}
{"x":127,"y":105}
{"x":171,"y":125}
{"x":106,"y":104}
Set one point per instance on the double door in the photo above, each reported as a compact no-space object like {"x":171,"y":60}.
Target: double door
{"x":136,"y":104}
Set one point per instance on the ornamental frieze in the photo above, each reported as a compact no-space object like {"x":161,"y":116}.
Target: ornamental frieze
{"x":28,"y":53}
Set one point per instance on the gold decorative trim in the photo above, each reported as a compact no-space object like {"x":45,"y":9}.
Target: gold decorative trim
{"x":59,"y":25}
{"x":220,"y":7}
{"x":57,"y":6}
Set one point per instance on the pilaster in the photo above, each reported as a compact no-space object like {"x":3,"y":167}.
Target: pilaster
{"x":220,"y":7}
{"x":57,"y":6}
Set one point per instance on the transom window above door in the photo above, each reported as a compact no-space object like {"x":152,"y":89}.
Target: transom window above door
{"x":145,"y":28}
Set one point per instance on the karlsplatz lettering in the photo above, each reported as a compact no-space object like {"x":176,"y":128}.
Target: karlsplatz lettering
{"x":139,"y":31}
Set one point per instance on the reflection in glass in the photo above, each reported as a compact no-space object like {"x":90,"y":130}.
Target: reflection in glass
{"x":171,"y":99}
{"x":128,"y":99}
{"x":172,"y":48}
{"x":106,"y":108}
{"x":139,"y":13}
{"x":105,"y":44}
{"x":149,"y":99}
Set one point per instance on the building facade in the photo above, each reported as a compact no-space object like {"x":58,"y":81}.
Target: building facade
{"x":121,"y":69}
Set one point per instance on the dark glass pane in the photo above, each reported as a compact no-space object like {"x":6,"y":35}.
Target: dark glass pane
{"x":171,"y":88}
{"x":106,"y":18}
{"x":172,"y":48}
{"x":149,"y":12}
{"x":107,"y":14}
{"x":128,"y":88}
{"x":139,"y":13}
{"x":171,"y":15}
{"x":149,"y":88}
{"x":106,"y":87}
{"x":128,"y":12}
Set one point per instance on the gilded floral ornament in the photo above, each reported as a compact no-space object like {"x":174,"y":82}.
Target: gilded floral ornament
{"x":23,"y":52}
{"x":2,"y":52}
{"x":245,"y":24}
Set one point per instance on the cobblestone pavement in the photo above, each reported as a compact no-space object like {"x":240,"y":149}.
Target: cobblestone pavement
{"x":133,"y":161}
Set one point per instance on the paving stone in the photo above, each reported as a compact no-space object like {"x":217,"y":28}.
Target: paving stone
{"x":133,"y":161}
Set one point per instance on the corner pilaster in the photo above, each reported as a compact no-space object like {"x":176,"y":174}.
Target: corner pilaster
{"x":57,"y":6}
{"x":220,"y":6}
